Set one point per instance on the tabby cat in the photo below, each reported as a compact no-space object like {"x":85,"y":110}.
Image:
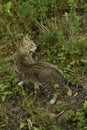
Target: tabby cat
{"x":45,"y":74}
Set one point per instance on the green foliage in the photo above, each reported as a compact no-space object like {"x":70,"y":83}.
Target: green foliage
{"x":35,"y":9}
{"x":26,"y":9}
{"x":4,"y":94}
{"x":70,"y":115}
{"x":8,"y":6}
{"x":79,"y":116}
{"x":85,"y":106}
{"x":54,"y":127}
{"x":60,"y":107}
{"x":55,"y":27}
{"x":56,"y":47}
{"x":9,"y":79}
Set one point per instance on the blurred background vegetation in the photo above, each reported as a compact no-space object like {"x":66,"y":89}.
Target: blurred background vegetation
{"x":59,"y":28}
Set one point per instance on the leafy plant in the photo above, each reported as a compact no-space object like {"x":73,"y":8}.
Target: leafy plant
{"x":60,"y":107}
{"x":78,"y":117}
{"x":54,"y":127}
{"x":59,"y":30}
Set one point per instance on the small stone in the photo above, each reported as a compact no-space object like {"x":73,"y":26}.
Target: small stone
{"x":20,"y":83}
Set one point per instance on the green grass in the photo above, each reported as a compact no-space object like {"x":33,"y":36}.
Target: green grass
{"x":56,"y":29}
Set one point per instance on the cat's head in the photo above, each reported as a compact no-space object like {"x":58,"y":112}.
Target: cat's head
{"x":27,"y":45}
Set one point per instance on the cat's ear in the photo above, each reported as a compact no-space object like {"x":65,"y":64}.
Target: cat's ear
{"x":26,"y":37}
{"x":19,"y":44}
{"x":25,"y":40}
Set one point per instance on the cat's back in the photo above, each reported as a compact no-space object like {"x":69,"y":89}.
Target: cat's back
{"x":45,"y":71}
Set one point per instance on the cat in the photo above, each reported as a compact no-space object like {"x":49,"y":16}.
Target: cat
{"x":44,"y":74}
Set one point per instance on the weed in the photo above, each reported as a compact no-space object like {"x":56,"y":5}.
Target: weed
{"x":60,"y":107}
{"x":78,"y":117}
{"x":56,"y":27}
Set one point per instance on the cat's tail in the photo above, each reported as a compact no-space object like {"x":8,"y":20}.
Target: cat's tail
{"x":72,"y":85}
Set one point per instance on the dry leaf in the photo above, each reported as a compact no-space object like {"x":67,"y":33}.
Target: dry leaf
{"x":29,"y":124}
{"x":22,"y":125}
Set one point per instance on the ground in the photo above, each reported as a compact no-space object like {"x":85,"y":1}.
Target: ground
{"x":24,"y":108}
{"x":59,"y":29}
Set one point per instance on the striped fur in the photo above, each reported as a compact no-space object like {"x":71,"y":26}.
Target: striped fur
{"x":44,"y":73}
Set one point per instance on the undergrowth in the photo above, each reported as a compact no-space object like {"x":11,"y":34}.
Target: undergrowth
{"x":59,"y":30}
{"x":78,"y":116}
